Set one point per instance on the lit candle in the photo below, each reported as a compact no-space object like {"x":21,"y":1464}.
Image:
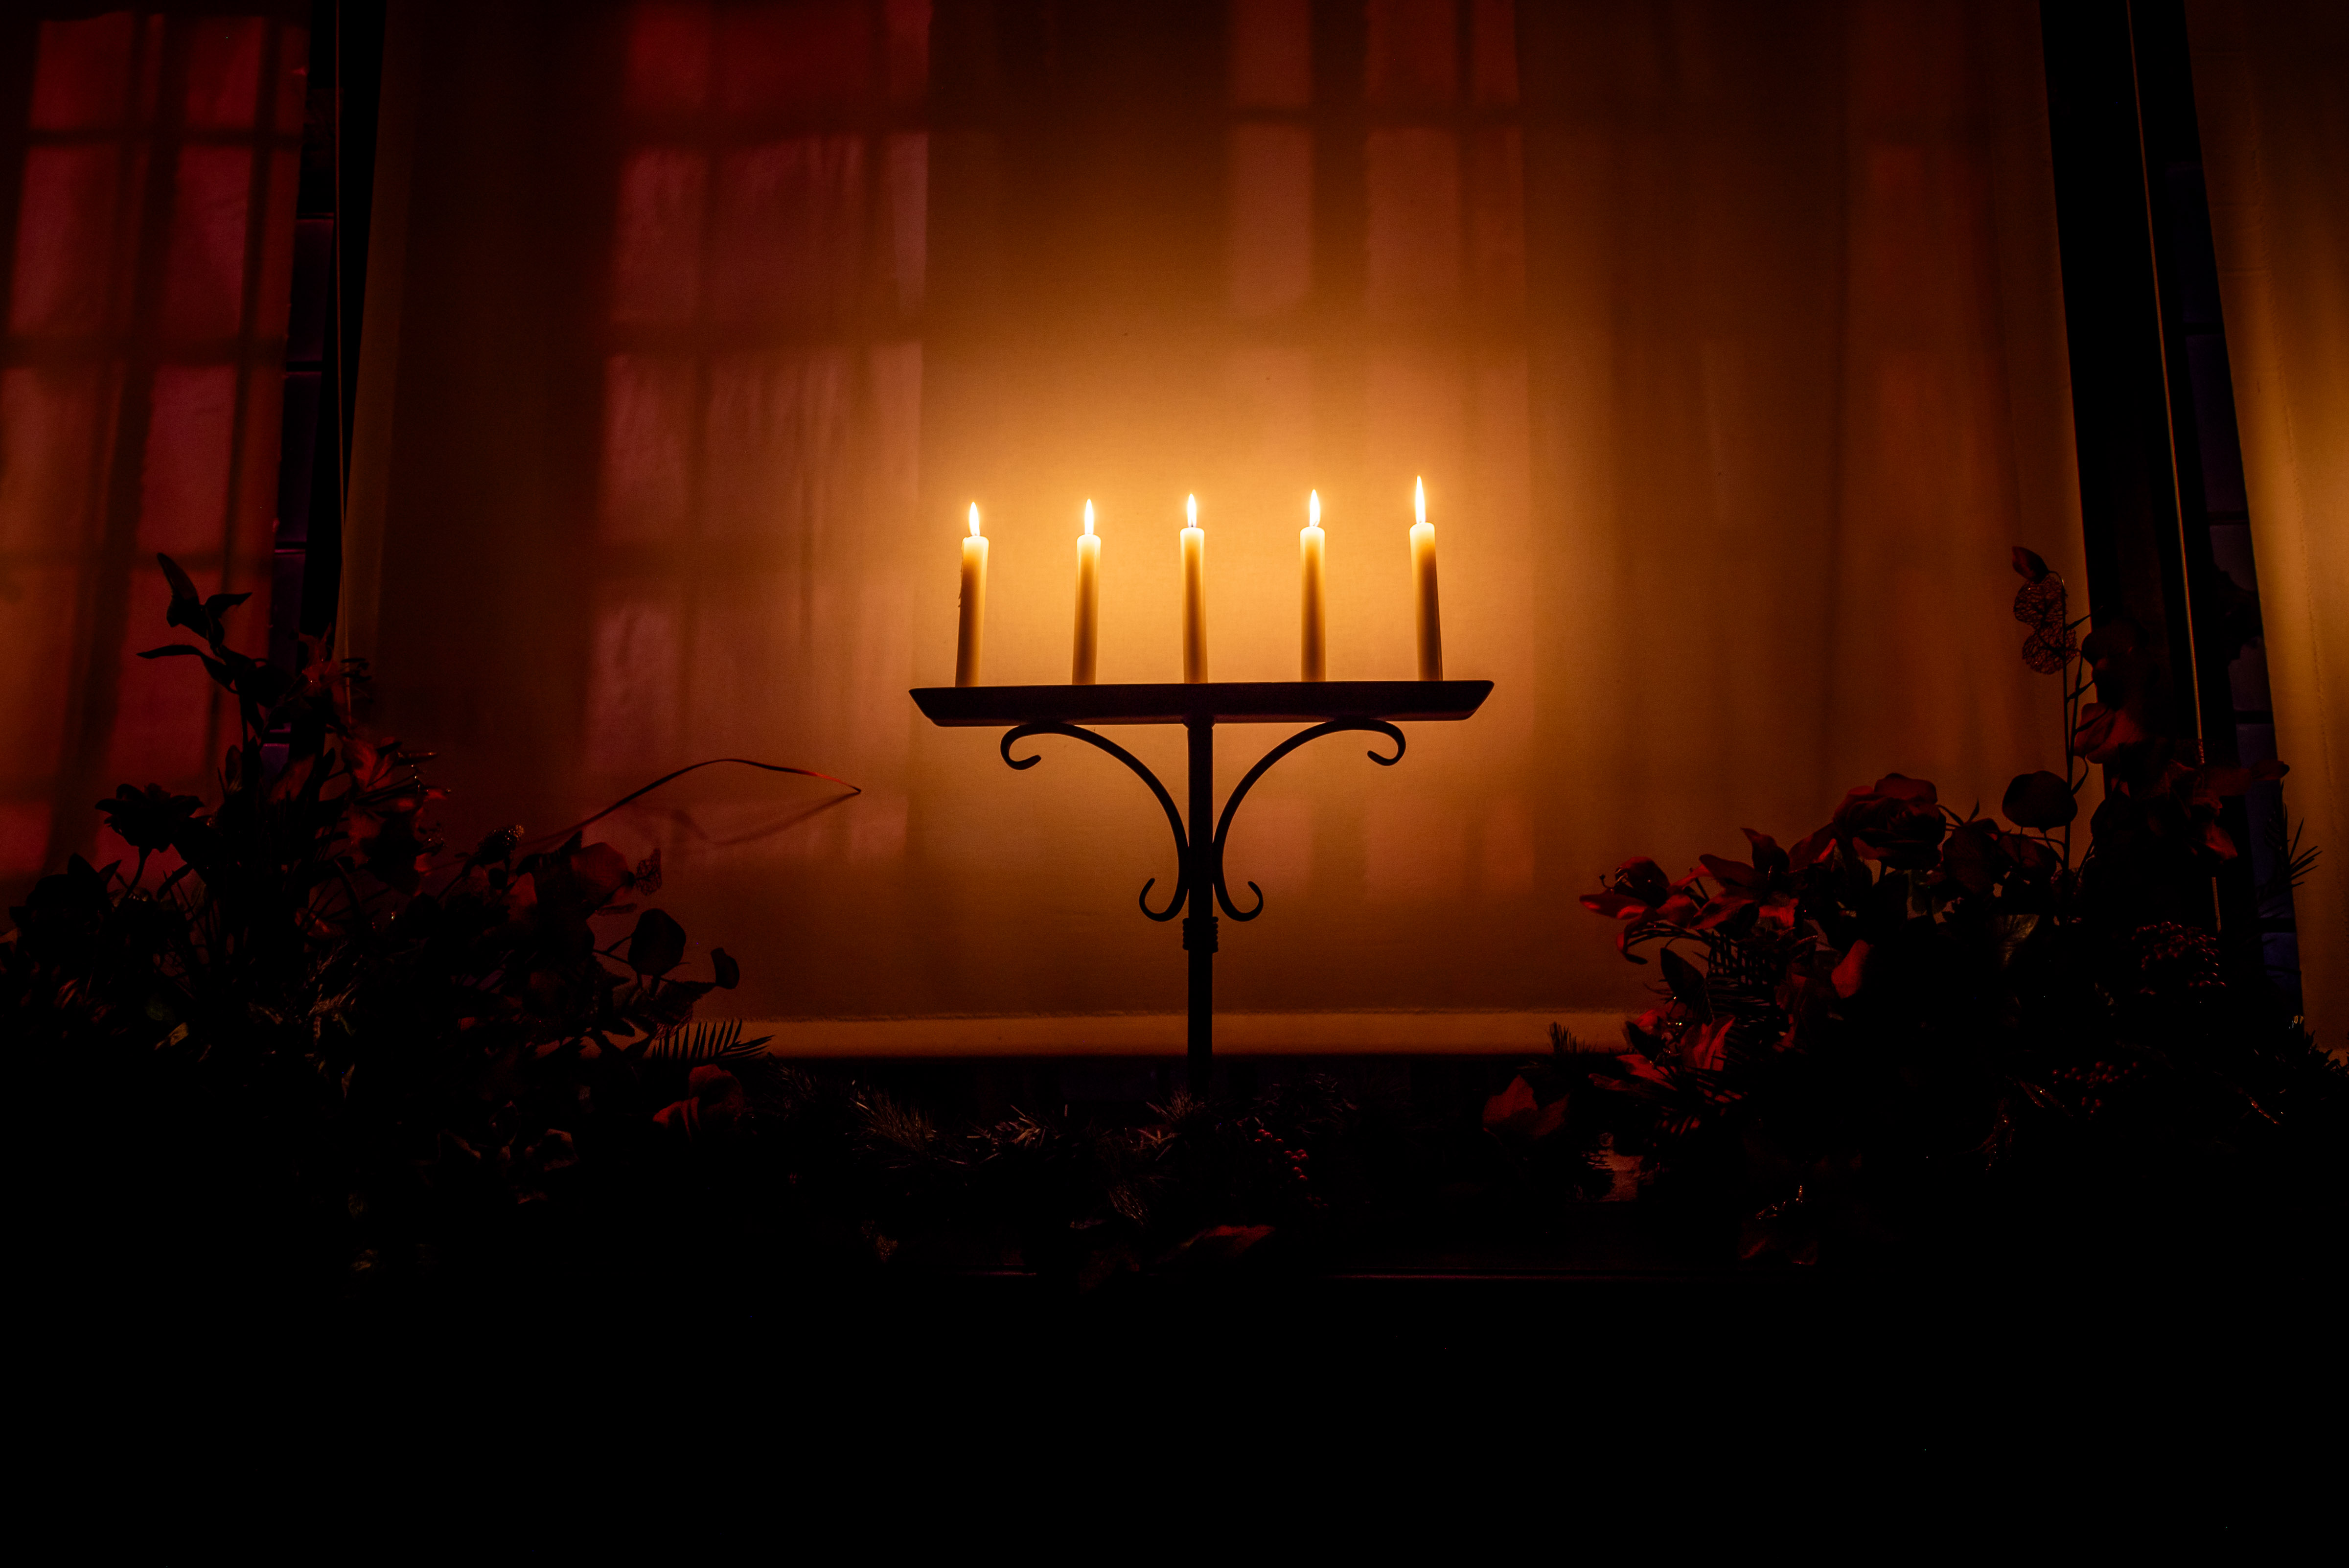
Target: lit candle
{"x":1195,"y":595}
{"x":1315,"y":618}
{"x":974,"y":603}
{"x":1088,"y":602}
{"x":1422,"y":586}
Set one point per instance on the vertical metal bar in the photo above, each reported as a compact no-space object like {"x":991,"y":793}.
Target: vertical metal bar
{"x":1199,"y":918}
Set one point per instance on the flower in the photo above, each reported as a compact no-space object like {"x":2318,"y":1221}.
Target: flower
{"x":2105,"y":732}
{"x":2039,"y":799}
{"x":1896,"y":820}
{"x":714,"y":1102}
{"x":150,"y":819}
{"x":1635,"y":887}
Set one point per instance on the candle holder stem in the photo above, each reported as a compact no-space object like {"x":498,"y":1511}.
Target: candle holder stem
{"x":1205,"y":870}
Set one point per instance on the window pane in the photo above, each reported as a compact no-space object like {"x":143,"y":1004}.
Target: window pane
{"x":1414,"y":223}
{"x":184,"y":498}
{"x":1272,"y":54}
{"x":1493,"y":69}
{"x":1414,"y":50}
{"x":789,"y":236}
{"x":797,"y":61}
{"x":1272,"y":217}
{"x":81,"y":77}
{"x":657,"y":246}
{"x":204,"y":290}
{"x":668,"y":71}
{"x":647,"y":446}
{"x":224,"y":72}
{"x":65,"y":240}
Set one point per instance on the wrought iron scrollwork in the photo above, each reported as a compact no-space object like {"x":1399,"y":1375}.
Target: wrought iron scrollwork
{"x":1184,"y":889}
{"x":1232,"y":805}
{"x":1174,"y":817}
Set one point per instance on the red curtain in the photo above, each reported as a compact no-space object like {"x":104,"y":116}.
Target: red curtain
{"x":153,"y":160}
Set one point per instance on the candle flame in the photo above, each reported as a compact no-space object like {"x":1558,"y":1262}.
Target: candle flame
{"x":1191,"y":511}
{"x":1313,"y":508}
{"x":974,"y":519}
{"x":1419,"y":498}
{"x":1088,"y":517}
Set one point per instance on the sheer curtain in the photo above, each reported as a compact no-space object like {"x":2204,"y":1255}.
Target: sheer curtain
{"x":1727,"y":340}
{"x":1800,"y":382}
{"x":148,"y":171}
{"x":2276,"y":137}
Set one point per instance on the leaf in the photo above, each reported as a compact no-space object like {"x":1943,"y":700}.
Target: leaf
{"x":1969,"y":855}
{"x":1849,"y":973}
{"x":1680,"y":909}
{"x":173,"y":650}
{"x":1900,"y":787}
{"x":2011,"y":932}
{"x":182,"y":585}
{"x":1687,"y":983}
{"x":2029,"y":565}
{"x":719,"y":1039}
{"x":1217,"y":1247}
{"x":1729,"y":873}
{"x":1616,"y":906}
{"x":1513,"y":1101}
{"x":730,"y":973}
{"x":2103,"y":732}
{"x":1723,"y":910}
{"x":658,"y":944}
{"x":1708,"y":1048}
{"x":1638,"y":1067}
{"x":1806,"y":853}
{"x":2039,"y":800}
{"x":1769,"y":860}
{"x":601,"y":871}
{"x":2046,"y":652}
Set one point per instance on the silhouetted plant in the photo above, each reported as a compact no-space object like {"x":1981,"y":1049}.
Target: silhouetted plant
{"x":1853,"y":1033}
{"x":324,"y":1027}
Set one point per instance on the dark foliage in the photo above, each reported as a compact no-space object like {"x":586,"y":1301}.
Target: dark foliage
{"x":323,"y":1043}
{"x":297,"y":1043}
{"x":1914,"y":1024}
{"x":334,"y":1055}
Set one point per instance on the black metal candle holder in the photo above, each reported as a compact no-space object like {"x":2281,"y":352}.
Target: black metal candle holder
{"x":1329,"y":707}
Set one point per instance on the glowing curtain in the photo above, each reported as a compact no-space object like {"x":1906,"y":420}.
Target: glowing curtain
{"x":1728,"y":340}
{"x":2275,"y":139}
{"x":153,"y":172}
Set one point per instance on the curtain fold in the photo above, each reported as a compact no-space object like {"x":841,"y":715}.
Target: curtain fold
{"x":2275,"y":139}
{"x":149,"y":257}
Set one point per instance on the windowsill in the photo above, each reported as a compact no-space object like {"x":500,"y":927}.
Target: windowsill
{"x":1398,"y":1032}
